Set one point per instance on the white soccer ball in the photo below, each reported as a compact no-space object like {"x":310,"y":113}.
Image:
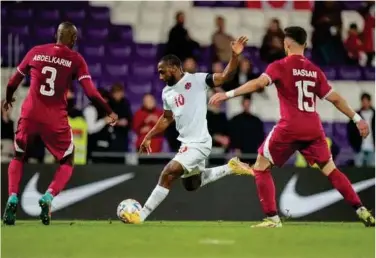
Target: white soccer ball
{"x":128,"y":205}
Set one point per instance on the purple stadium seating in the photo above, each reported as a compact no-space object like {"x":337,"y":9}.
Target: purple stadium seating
{"x":93,"y":50}
{"x":101,"y":14}
{"x":76,"y":16}
{"x":95,"y":69}
{"x":350,"y":73}
{"x":143,"y":69}
{"x":97,"y":33}
{"x":205,"y":3}
{"x":230,"y":3}
{"x":22,"y":14}
{"x":330,"y":72}
{"x":117,"y":70}
{"x":146,"y":51}
{"x":117,"y":50}
{"x":21,"y":30}
{"x":49,"y":15}
{"x":369,"y":73}
{"x":45,"y":32}
{"x":138,"y":86}
{"x":4,"y":14}
{"x":122,"y":33}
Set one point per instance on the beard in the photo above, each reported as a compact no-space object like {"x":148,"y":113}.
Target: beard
{"x":171,"y":81}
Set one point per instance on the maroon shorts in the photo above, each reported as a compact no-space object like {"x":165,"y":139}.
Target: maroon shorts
{"x":58,"y":139}
{"x":279,"y":146}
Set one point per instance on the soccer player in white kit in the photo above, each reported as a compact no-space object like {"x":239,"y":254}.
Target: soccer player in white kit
{"x":185,"y":101}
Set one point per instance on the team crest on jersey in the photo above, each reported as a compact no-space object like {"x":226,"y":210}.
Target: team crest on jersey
{"x":188,"y":85}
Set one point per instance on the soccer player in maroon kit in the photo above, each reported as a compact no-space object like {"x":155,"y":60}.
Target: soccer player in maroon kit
{"x":52,"y":67}
{"x":298,"y":82}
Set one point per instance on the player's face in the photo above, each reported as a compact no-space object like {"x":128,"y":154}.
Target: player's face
{"x":166,"y":73}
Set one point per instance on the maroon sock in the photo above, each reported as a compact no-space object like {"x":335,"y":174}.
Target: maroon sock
{"x":15,"y":171}
{"x":266,"y":192}
{"x":62,"y":176}
{"x":343,"y":185}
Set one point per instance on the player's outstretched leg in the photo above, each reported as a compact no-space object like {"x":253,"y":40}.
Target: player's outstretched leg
{"x":172,"y":171}
{"x":266,"y":193}
{"x":343,"y":185}
{"x":234,"y":166}
{"x":15,"y":170}
{"x":61,"y":178}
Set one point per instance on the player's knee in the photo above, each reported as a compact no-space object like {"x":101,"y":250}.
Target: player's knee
{"x":67,"y":160}
{"x":327,"y":167}
{"x":170,"y":173}
{"x":262,"y":163}
{"x":192,"y":183}
{"x":20,"y":156}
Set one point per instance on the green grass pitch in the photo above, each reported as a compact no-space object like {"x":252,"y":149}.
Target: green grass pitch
{"x":102,"y":239}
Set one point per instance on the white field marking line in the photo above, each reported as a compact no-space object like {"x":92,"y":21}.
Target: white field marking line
{"x":210,"y":241}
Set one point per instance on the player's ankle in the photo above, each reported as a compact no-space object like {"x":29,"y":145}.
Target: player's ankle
{"x":275,"y":218}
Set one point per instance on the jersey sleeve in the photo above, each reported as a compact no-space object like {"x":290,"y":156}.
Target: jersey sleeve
{"x":323,"y":88}
{"x":272,"y":72}
{"x":165,"y":104}
{"x":24,"y":66}
{"x":205,"y":79}
{"x":82,"y":69}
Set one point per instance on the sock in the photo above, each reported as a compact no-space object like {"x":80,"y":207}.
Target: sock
{"x":266,"y":192}
{"x":157,"y":196}
{"x":48,"y":196}
{"x":61,"y":178}
{"x":343,"y":185}
{"x":212,"y":174}
{"x":15,"y":171}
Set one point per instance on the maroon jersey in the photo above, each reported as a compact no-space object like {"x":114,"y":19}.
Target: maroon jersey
{"x":52,"y":68}
{"x":298,"y":82}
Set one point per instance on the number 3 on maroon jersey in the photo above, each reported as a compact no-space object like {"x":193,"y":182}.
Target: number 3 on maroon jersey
{"x":179,"y":100}
{"x":50,"y":81}
{"x":303,"y":92}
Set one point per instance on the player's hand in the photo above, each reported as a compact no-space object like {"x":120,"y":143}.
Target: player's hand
{"x":218,"y":98}
{"x":238,"y":45}
{"x":145,"y":146}
{"x":112,"y":119}
{"x":363,"y":128}
{"x":8,"y":104}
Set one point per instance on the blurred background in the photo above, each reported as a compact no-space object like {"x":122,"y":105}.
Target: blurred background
{"x":123,"y":41}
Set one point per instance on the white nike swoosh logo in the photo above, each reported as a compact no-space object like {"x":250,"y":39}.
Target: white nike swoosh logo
{"x":31,"y":195}
{"x":294,"y":205}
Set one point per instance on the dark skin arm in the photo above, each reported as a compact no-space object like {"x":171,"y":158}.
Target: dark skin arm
{"x":163,"y":122}
{"x":227,"y":74}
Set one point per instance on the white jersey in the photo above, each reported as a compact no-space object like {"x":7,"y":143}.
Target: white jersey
{"x":187,"y":100}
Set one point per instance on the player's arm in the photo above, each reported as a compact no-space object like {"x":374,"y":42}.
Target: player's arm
{"x":163,"y":122}
{"x":249,"y":87}
{"x":84,"y":78}
{"x":271,"y":74}
{"x":218,"y":79}
{"x":341,"y":104}
{"x":16,"y":79}
{"x":324,"y":91}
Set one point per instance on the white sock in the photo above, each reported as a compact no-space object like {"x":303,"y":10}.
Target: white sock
{"x":212,"y":174}
{"x":275,"y":218}
{"x":157,"y":196}
{"x":359,"y":210}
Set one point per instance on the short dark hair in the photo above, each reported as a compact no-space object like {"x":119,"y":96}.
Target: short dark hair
{"x":171,"y":60}
{"x":298,"y":34}
{"x":365,"y":96}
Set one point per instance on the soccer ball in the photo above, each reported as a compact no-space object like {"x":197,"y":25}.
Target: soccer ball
{"x":128,"y":205}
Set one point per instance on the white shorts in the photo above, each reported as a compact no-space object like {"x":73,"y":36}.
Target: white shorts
{"x":192,"y":157}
